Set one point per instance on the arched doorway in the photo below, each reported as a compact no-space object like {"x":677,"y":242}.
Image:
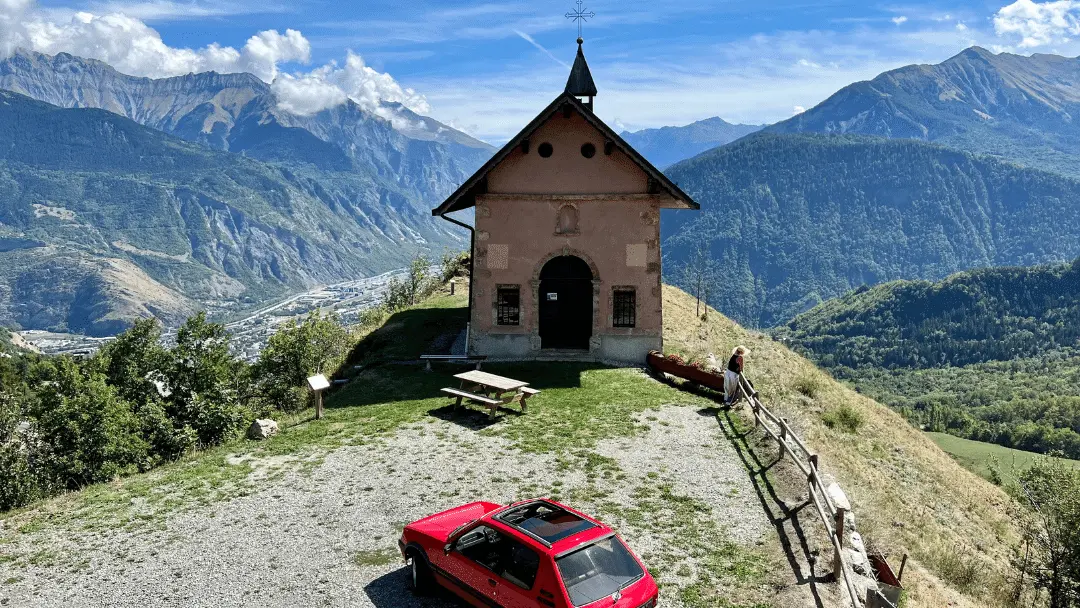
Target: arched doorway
{"x":566,"y":303}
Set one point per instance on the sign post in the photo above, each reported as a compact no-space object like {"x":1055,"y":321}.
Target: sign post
{"x":318,"y":384}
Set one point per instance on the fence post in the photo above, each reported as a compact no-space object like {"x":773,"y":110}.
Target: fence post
{"x":840,"y":501}
{"x":783,"y":436}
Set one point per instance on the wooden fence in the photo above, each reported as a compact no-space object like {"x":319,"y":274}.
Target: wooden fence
{"x":831,"y":503}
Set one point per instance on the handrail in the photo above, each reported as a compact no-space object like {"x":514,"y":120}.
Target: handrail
{"x":831,"y":513}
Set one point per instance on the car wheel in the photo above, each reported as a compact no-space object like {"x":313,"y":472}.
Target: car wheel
{"x":422,"y":580}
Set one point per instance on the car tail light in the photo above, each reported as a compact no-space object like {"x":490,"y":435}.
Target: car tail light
{"x":649,"y":604}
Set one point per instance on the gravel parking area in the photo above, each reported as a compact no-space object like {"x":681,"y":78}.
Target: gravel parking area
{"x":326,"y":535}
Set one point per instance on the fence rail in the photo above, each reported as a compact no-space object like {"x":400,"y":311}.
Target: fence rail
{"x":831,"y":503}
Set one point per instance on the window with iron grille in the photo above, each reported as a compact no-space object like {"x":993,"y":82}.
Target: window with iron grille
{"x":624,"y":308}
{"x":509,"y":306}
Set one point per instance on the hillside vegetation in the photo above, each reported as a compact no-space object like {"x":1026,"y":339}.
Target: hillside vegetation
{"x":789,"y":221}
{"x":908,"y":496}
{"x":991,"y":355}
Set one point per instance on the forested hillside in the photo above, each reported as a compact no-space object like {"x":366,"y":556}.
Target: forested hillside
{"x":992,"y":355}
{"x":103,"y":221}
{"x":789,"y":221}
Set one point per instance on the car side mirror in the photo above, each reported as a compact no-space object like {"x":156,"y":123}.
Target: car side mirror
{"x":447,"y":548}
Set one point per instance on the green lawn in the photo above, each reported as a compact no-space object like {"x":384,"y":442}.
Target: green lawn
{"x":976,"y":455}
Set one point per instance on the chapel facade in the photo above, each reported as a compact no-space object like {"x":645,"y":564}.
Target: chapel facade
{"x":566,"y":243}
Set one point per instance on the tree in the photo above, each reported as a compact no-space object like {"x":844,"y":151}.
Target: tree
{"x":1052,"y":533}
{"x":91,"y":434}
{"x":297,"y":351}
{"x":699,"y":274}
{"x":133,"y":362}
{"x":20,"y":481}
{"x":207,"y":387}
{"x":416,"y":286}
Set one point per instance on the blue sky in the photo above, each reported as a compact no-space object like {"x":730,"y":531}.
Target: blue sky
{"x":488,"y":67}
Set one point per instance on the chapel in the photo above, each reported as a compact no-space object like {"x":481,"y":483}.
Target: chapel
{"x":566,"y":239}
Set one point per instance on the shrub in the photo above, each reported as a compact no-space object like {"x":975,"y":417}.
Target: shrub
{"x":1051,"y":490}
{"x":417,"y":285}
{"x":845,"y":418}
{"x":20,"y":482}
{"x":963,"y":571}
{"x":371,"y":317}
{"x":90,"y":434}
{"x":296,"y":352}
{"x":809,"y":385}
{"x":207,"y":387}
{"x":454,"y":265}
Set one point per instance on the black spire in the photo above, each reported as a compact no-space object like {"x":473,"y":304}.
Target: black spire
{"x":581,"y":83}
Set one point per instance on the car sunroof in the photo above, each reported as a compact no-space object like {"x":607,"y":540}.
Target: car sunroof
{"x":545,"y":521}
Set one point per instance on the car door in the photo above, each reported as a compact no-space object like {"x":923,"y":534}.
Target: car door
{"x":517,"y":582}
{"x":472,"y":563}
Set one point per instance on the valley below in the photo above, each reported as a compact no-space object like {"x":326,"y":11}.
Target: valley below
{"x":250,"y":333}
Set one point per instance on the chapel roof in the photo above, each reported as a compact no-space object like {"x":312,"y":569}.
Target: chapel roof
{"x":465,"y":196}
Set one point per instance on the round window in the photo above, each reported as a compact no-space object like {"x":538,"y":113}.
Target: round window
{"x":588,"y":150}
{"x":546,"y":150}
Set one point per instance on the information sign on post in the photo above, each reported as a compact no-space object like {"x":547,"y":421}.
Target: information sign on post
{"x":318,"y":384}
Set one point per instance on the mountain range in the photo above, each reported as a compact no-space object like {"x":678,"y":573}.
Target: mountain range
{"x":123,"y":197}
{"x":669,"y":145}
{"x":1026,"y":109}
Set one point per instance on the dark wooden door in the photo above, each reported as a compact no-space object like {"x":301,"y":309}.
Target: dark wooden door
{"x":566,"y":303}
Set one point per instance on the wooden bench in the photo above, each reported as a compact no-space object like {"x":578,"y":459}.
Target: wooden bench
{"x":427,"y":359}
{"x":526,"y":392}
{"x":488,"y":402}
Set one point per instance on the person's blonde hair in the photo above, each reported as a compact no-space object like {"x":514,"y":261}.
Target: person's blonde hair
{"x":740,"y":350}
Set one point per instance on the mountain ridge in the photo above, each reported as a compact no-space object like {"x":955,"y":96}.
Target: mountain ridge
{"x":1011,"y":106}
{"x":240,"y":113}
{"x":666,"y":146}
{"x":88,"y":198}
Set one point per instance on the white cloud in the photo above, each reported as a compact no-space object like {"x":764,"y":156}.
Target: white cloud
{"x":806,"y":63}
{"x":899,"y":20}
{"x":797,"y":110}
{"x":1038,"y":23}
{"x":330,"y":85}
{"x":132,"y":47}
{"x":960,"y":27}
{"x":12,"y":13}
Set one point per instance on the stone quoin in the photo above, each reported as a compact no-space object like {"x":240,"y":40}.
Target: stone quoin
{"x":566,"y":242}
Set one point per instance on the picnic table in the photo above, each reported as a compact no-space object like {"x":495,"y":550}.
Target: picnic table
{"x":490,"y":390}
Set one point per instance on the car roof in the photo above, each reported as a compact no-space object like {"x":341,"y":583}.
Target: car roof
{"x":557,"y":530}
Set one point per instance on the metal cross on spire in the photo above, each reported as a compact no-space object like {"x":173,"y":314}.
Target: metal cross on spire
{"x":580,"y":16}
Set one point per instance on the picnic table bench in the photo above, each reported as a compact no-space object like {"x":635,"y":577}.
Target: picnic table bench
{"x":427,"y":359}
{"x":479,"y":384}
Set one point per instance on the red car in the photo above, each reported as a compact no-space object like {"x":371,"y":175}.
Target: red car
{"x":532,"y":554}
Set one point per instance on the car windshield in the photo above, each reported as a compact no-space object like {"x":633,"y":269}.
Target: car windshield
{"x":598,"y":571}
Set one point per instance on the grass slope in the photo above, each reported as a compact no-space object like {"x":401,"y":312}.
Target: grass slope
{"x":908,"y":495}
{"x":979,"y":457}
